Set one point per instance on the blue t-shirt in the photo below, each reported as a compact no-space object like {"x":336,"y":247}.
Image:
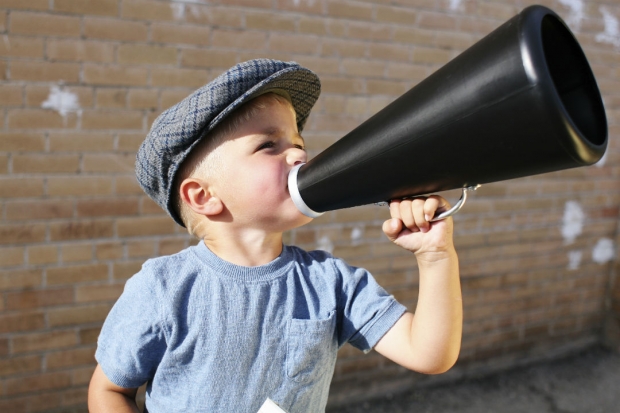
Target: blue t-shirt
{"x":211,"y":336}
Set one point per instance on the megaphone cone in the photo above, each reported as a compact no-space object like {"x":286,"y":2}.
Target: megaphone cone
{"x":521,"y":101}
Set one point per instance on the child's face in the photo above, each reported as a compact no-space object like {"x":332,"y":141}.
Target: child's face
{"x":255,"y":160}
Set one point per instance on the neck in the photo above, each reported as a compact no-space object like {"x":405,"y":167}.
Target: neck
{"x":249,"y":248}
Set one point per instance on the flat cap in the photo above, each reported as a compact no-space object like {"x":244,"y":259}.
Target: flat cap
{"x":178,"y":129}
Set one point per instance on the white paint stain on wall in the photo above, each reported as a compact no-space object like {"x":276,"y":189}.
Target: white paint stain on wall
{"x":62,"y":101}
{"x":298,"y":2}
{"x":611,"y":35}
{"x":178,"y":11}
{"x":455,"y":4}
{"x":576,"y":14}
{"x":356,"y":234}
{"x":325,"y":244}
{"x":572,"y":222}
{"x":574,"y":259}
{"x":603,"y":251}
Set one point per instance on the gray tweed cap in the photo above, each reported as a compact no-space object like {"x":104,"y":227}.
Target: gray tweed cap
{"x":178,"y":129}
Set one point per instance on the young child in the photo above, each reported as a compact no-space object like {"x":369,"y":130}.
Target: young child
{"x":240,"y":318}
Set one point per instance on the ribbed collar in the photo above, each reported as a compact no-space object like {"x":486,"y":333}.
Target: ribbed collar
{"x":239,"y":273}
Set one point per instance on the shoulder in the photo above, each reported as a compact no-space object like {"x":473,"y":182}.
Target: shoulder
{"x":165,"y":271}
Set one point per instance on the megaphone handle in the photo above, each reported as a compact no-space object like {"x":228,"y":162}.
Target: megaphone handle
{"x":457,"y":207}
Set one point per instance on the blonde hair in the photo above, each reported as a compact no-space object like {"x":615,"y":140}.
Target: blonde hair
{"x":204,"y":161}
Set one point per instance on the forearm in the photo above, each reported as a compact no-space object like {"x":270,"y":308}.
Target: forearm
{"x":436,"y":327}
{"x":106,"y":397}
{"x":110,"y":401}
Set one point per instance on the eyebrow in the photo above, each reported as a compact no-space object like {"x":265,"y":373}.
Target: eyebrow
{"x":276,"y":131}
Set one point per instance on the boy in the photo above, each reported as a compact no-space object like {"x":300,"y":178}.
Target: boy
{"x":240,"y":319}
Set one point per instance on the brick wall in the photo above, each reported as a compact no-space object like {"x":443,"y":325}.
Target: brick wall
{"x":82,"y":80}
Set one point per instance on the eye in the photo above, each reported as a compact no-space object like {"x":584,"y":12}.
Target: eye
{"x":267,"y":145}
{"x":300,"y":147}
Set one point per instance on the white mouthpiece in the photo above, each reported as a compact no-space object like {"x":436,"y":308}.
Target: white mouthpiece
{"x":296,"y":196}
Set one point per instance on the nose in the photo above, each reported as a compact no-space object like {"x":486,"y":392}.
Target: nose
{"x":295,"y":156}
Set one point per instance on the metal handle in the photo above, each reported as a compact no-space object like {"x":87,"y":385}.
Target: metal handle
{"x":457,"y":207}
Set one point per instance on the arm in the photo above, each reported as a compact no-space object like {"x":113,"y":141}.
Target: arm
{"x":430,"y":340}
{"x":105,"y":396}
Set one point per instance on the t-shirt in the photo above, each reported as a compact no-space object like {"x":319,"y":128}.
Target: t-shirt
{"x":210,"y":336}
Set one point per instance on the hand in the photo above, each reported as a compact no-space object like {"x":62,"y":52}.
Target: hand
{"x":410,"y":228}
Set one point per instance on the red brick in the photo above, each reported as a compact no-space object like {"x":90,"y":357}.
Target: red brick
{"x":30,"y":384}
{"x":109,"y":163}
{"x":43,"y":254}
{"x":143,"y":99}
{"x":269,"y":21}
{"x":77,"y":273}
{"x":172,"y":77}
{"x":291,"y":43}
{"x":128,"y":142}
{"x":371,"y":32}
{"x":80,"y":50}
{"x":109,"y":250}
{"x":239,"y":39}
{"x":151,"y":10}
{"x":180,"y":34}
{"x":10,"y":323}
{"x":208,"y":58}
{"x":18,"y":279}
{"x":39,"y":119}
{"x":107,"y":207}
{"x":45,"y":71}
{"x":37,"y":210}
{"x":99,"y":119}
{"x":20,"y":365}
{"x":78,"y":315}
{"x":81,"y":230}
{"x":124,"y":270}
{"x":114,"y":29}
{"x":99,"y":292}
{"x":16,"y":46}
{"x":11,"y":95}
{"x":46,"y":164}
{"x":349,"y":10}
{"x":146,"y":54}
{"x":76,"y":252}
{"x":26,"y":5}
{"x":38,"y":299}
{"x":97,"y":7}
{"x":70,"y":358}
{"x":11,"y":256}
{"x":115,"y":75}
{"x":304,"y":7}
{"x":81,"y":142}
{"x":21,"y":187}
{"x":78,"y":185}
{"x":22,"y":234}
{"x":142,"y":226}
{"x":21,"y":142}
{"x":400,"y":15}
{"x":44,"y":24}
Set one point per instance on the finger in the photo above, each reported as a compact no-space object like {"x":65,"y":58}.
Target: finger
{"x":417,"y":210}
{"x":392,"y":228}
{"x":407,"y":213}
{"x":433,"y":205}
{"x":395,"y":208}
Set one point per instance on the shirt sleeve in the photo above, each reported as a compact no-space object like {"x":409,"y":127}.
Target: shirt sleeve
{"x":368,"y":311}
{"x":132,"y":342}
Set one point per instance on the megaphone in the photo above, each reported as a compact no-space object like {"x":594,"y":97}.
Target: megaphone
{"x":521,"y":101}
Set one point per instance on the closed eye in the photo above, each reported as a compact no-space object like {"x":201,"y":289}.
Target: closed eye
{"x":266,"y":145}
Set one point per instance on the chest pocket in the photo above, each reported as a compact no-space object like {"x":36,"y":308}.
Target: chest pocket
{"x":311,"y":348}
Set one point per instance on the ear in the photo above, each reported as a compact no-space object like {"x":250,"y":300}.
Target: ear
{"x":196,"y":194}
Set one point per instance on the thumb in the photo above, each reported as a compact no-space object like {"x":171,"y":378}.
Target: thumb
{"x":392,"y":228}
